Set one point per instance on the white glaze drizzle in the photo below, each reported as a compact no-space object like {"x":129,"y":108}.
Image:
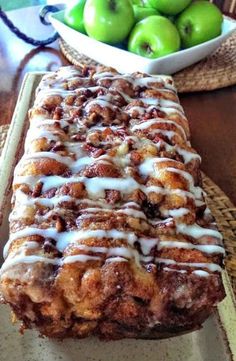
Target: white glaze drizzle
{"x":199,"y":273}
{"x":147,"y":166}
{"x":142,"y":81}
{"x":197,"y":191}
{"x":97,"y":185}
{"x":212,"y":267}
{"x":65,"y":238}
{"x":175,"y":213}
{"x":162,"y":103}
{"x":27,"y":259}
{"x":167,"y":110}
{"x":40,"y":133}
{"x":147,"y":244}
{"x":116,"y":259}
{"x":167,"y":269}
{"x":9,"y":262}
{"x":80,"y":258}
{"x":206,"y":248}
{"x":24,"y":200}
{"x":196,"y":231}
{"x":150,"y":122}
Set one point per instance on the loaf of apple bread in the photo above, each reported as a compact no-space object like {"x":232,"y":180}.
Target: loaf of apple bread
{"x":110,"y":234}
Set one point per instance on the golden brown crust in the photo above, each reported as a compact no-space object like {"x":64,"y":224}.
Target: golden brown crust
{"x":110,"y":233}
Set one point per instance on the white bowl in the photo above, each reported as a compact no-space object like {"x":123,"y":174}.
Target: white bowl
{"x":126,"y":62}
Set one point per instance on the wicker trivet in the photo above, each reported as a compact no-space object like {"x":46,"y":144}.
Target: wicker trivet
{"x":216,"y":71}
{"x":3,"y":135}
{"x":221,"y":207}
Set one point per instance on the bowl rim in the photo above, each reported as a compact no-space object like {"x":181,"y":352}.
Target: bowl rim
{"x":181,"y":52}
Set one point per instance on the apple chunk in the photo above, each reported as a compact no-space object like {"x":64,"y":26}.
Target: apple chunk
{"x":154,"y":37}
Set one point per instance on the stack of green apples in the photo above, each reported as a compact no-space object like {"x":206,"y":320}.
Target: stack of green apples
{"x":150,"y":28}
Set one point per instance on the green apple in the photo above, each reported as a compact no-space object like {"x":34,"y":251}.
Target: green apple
{"x":73,"y":16}
{"x":154,"y":37}
{"x":169,"y":7}
{"x":141,"y":12}
{"x":109,"y":21}
{"x":140,"y":2}
{"x":200,"y":22}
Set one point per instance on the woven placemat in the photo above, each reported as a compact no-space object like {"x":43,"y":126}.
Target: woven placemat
{"x":222,"y":208}
{"x":216,"y":71}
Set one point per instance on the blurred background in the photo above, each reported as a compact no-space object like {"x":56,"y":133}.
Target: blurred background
{"x":17,"y":4}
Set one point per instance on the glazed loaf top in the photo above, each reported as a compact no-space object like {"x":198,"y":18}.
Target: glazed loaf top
{"x":109,"y":177}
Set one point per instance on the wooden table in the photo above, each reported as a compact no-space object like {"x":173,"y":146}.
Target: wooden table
{"x":211,"y":114}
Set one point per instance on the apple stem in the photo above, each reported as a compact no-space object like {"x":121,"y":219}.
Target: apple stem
{"x":112,"y":5}
{"x":147,"y":48}
{"x":188,"y":28}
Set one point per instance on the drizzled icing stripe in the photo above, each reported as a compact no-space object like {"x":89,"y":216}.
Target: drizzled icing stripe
{"x":146,"y":167}
{"x":40,"y":121}
{"x":195,"y":231}
{"x":199,"y":273}
{"x":65,"y":238}
{"x":212,"y":267}
{"x":115,"y":254}
{"x":80,"y":258}
{"x":166,"y":109}
{"x":28,"y":260}
{"x":55,"y":261}
{"x":84,"y":212}
{"x":206,"y":248}
{"x":145,"y":81}
{"x":149,"y":123}
{"x":76,"y":165}
{"x":69,"y":162}
{"x":94,"y":206}
{"x":175,"y":212}
{"x":197,"y":191}
{"x":97,"y":185}
{"x":41,"y":133}
{"x":52,"y":135}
